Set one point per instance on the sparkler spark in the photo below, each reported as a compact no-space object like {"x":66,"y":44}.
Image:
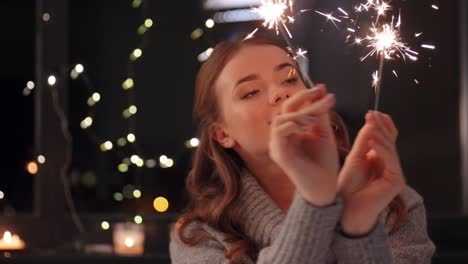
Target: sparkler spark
{"x":273,"y":12}
{"x":382,"y":39}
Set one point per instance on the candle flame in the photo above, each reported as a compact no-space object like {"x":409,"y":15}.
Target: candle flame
{"x":7,"y":237}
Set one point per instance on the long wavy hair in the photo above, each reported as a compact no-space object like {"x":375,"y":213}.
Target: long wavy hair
{"x":213,"y":184}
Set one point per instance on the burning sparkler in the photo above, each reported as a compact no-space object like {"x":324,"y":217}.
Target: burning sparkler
{"x":383,"y":38}
{"x":274,"y":13}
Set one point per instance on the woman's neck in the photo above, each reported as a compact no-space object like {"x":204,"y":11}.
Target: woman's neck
{"x":274,"y":181}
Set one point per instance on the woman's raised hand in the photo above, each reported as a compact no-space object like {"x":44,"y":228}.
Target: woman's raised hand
{"x":303,"y":144}
{"x":371,"y":176}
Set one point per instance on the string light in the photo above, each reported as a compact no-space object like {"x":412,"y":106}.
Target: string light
{"x":148,"y":22}
{"x":209,"y":23}
{"x":196,"y":34}
{"x":46,"y":17}
{"x":31,"y":167}
{"x":51,"y":80}
{"x":30,"y":85}
{"x":122,"y":167}
{"x":41,"y":159}
{"x":121,"y":142}
{"x":87,"y":122}
{"x":192,"y":143}
{"x":205,"y":55}
{"x":2,"y":195}
{"x":137,"y":193}
{"x":131,"y":137}
{"x":118,"y":196}
{"x":105,"y":225}
{"x":138,"y":219}
{"x":106,"y":146}
{"x":160,"y":204}
{"x":137,"y":53}
{"x":136,"y":3}
{"x":128,"y":84}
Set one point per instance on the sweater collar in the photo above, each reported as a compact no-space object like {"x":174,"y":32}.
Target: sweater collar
{"x":261,"y":219}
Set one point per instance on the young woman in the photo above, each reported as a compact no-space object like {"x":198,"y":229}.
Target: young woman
{"x":274,"y":179}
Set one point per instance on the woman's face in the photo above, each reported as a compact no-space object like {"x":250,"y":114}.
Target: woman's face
{"x":250,"y":90}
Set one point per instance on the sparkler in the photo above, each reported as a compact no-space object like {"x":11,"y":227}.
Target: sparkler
{"x":274,"y":13}
{"x":383,"y":38}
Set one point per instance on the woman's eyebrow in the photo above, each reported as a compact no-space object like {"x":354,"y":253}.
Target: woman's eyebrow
{"x":252,"y":77}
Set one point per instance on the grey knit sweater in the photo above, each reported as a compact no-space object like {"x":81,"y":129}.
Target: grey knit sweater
{"x":307,"y":234}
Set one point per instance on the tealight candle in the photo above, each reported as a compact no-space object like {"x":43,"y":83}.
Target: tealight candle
{"x":11,"y":242}
{"x":128,"y":239}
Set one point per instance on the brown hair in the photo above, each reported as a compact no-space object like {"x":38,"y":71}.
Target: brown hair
{"x":213,"y":184}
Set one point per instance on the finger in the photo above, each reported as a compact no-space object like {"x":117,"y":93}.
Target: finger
{"x":297,"y":117}
{"x":382,"y":129}
{"x":290,"y":128}
{"x":361,"y":143}
{"x":388,"y":121}
{"x":293,"y":103}
{"x":376,"y":134}
{"x":321,"y":106}
{"x":390,"y":158}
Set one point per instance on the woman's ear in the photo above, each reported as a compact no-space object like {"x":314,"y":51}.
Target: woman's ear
{"x":220,"y":135}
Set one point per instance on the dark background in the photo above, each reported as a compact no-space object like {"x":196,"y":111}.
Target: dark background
{"x":103,"y":33}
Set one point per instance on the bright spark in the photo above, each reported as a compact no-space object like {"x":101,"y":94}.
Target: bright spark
{"x":272,"y":12}
{"x":427,"y":46}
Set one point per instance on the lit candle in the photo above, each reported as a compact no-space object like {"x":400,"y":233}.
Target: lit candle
{"x":11,"y":242}
{"x":128,"y":239}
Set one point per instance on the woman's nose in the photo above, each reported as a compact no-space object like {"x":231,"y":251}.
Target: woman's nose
{"x":278,"y":95}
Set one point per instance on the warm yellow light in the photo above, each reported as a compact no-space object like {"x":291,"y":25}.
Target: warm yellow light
{"x":148,"y":22}
{"x":196,"y":34}
{"x":209,"y":23}
{"x":30,"y":85}
{"x":140,"y":163}
{"x":128,"y":84}
{"x":41,"y":159}
{"x":136,"y":3}
{"x":169,"y":163}
{"x":137,"y":193}
{"x":131,"y":138}
{"x":105,"y":225}
{"x":138,"y":219}
{"x":51,"y":80}
{"x":87,"y":122}
{"x":161,"y":204}
{"x":122,"y":167}
{"x":118,"y":196}
{"x":129,"y":242}
{"x":79,"y":68}
{"x":134,"y":159}
{"x":126,"y":113}
{"x":163,"y":159}
{"x":106,"y":146}
{"x":136,"y":54}
{"x":132,"y":109}
{"x":121,"y":142}
{"x":32,"y":167}
{"x":192,"y":143}
{"x":96,"y":97}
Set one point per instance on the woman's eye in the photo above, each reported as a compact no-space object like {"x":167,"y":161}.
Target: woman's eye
{"x":249,"y":94}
